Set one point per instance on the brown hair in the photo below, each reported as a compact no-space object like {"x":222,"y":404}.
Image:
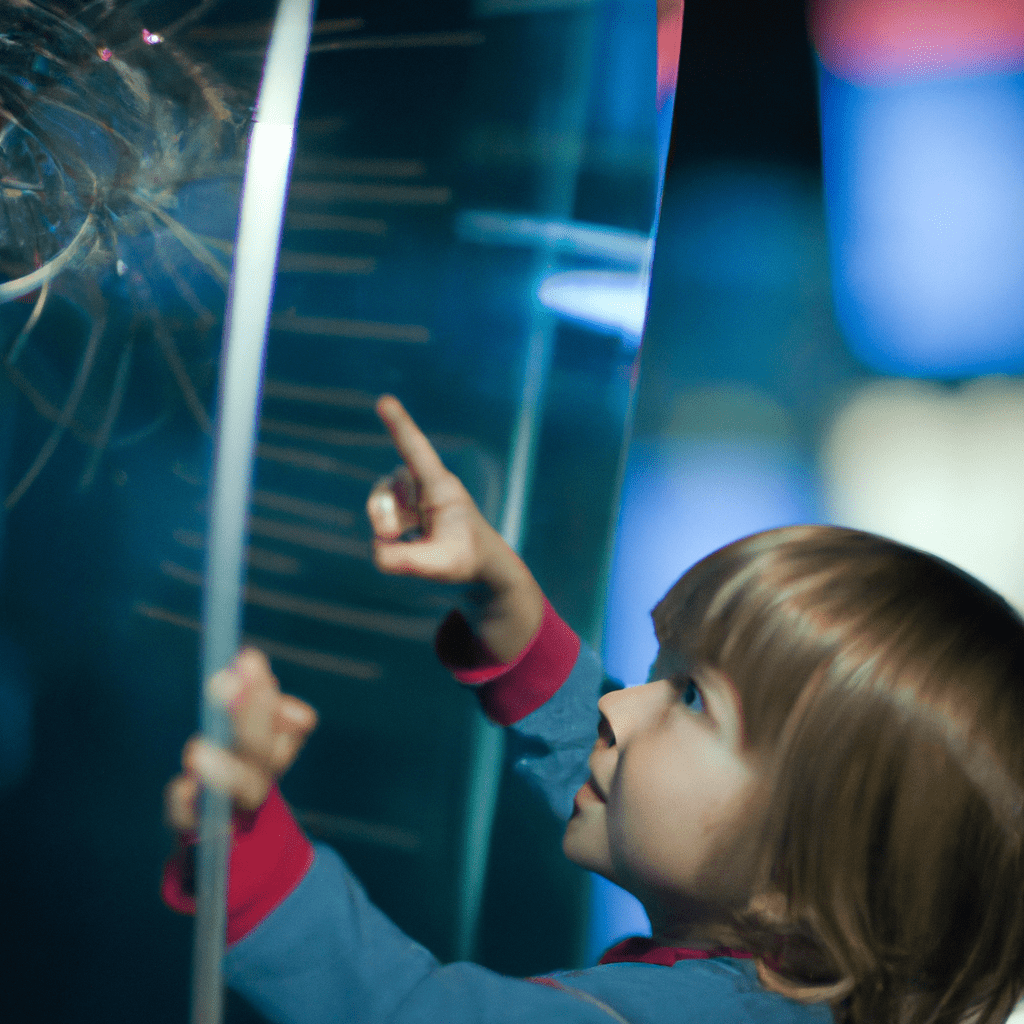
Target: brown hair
{"x":883,"y":689}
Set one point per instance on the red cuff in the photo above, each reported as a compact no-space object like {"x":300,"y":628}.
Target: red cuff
{"x":509,"y":692}
{"x":270,"y":855}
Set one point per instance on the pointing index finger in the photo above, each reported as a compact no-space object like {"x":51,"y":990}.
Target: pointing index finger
{"x":412,"y":444}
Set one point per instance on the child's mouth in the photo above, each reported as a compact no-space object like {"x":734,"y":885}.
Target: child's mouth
{"x":588,"y":793}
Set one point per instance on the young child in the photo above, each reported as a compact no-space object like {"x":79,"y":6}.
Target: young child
{"x":818,"y":797}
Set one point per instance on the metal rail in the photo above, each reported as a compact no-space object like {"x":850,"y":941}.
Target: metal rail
{"x":264,"y":192}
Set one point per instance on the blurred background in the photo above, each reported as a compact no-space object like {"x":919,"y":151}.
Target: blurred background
{"x":479,"y":207}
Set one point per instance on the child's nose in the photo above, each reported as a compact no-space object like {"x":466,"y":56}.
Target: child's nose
{"x":625,"y":711}
{"x":605,"y":732}
{"x":619,"y":710}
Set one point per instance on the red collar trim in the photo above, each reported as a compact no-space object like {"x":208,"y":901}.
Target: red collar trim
{"x":647,"y":951}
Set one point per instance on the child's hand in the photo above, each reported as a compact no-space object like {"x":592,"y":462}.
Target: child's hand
{"x":452,"y":542}
{"x":422,"y":497}
{"x":270,"y":729}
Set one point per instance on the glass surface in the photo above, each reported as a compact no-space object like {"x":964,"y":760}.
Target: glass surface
{"x":447,"y":155}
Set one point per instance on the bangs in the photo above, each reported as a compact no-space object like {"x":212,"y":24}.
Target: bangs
{"x":757,"y":611}
{"x":802,"y":606}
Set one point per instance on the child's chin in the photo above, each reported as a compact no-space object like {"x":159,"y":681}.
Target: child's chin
{"x":576,"y":849}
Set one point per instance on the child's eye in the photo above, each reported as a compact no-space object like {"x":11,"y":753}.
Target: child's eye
{"x":692,"y":697}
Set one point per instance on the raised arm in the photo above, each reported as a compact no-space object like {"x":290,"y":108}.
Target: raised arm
{"x":426,"y":524}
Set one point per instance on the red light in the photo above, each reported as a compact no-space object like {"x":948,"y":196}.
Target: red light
{"x":874,"y":42}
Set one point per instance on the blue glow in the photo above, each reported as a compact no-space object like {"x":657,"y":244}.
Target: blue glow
{"x":497,"y":227}
{"x":925,"y":193}
{"x":680,"y":501}
{"x":614,"y":915}
{"x":605,"y":300}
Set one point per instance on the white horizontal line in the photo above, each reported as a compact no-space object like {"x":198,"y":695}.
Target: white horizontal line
{"x":302,"y":459}
{"x":308,"y":537}
{"x":340,"y":327}
{"x":404,"y":627}
{"x":273,"y":561}
{"x":366,"y":167}
{"x":307,"y":657}
{"x":360,"y":192}
{"x":335,"y":222}
{"x":192,"y":539}
{"x":182,"y":472}
{"x":337,"y":25}
{"x":316,"y":510}
{"x":345,"y":397}
{"x":326,"y":435}
{"x":495,"y":226}
{"x":402,"y":41}
{"x":258,"y":558}
{"x":290,"y":262}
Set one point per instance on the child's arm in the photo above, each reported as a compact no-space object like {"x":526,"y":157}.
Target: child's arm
{"x":531,"y":672}
{"x":455,"y":544}
{"x":269,"y":853}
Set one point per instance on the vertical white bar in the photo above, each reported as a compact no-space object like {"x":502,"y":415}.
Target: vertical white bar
{"x":264,"y":192}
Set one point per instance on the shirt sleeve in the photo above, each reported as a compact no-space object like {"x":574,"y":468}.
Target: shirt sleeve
{"x":548,"y":696}
{"x":270,"y":855}
{"x":327,"y":954}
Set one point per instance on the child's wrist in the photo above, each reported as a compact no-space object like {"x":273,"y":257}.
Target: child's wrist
{"x":508,"y":691}
{"x":509,"y":619}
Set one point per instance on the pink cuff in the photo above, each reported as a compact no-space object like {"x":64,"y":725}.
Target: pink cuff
{"x":509,"y":692}
{"x":270,"y":855}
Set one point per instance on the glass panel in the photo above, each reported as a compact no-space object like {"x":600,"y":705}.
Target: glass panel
{"x":456,"y":165}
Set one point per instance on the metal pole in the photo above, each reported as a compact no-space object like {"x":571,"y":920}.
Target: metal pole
{"x":264,"y":192}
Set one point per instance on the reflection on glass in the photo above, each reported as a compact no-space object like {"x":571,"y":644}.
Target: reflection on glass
{"x":120,"y":153}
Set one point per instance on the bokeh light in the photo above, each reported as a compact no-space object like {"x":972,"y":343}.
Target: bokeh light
{"x":938,"y":468}
{"x":922,"y":120}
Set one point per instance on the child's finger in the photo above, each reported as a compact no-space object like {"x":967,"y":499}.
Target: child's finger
{"x":253,"y":712}
{"x":226,"y":773}
{"x":294,"y":721}
{"x":392,"y":505}
{"x":431,"y":559}
{"x":411,"y":442}
{"x":270,"y":727}
{"x":181,"y":802}
{"x":249,"y":690}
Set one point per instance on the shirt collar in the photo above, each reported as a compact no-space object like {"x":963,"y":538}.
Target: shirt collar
{"x":647,"y":951}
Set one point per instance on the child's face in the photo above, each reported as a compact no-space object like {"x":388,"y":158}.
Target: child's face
{"x":669,"y":795}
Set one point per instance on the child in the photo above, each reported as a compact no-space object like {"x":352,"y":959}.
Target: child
{"x":817,"y":797}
